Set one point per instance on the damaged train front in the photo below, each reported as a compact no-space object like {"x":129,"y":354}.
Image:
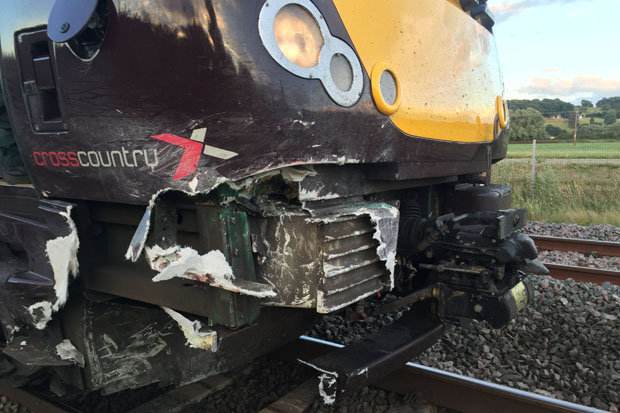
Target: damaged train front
{"x":287,"y":168}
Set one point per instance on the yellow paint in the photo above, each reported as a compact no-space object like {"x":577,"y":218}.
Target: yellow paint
{"x":519,"y":293}
{"x":446,"y":62}
{"x":502,"y":112}
{"x":375,"y":84}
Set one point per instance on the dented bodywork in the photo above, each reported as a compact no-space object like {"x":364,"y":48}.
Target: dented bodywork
{"x":302,"y":249}
{"x":213,"y":201}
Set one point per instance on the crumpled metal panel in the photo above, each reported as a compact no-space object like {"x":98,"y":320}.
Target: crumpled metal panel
{"x":351,"y":266}
{"x":328,"y":258}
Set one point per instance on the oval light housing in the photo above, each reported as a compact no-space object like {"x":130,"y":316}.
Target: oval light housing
{"x":385,"y":88}
{"x":298,"y":35}
{"x":502,"y":112}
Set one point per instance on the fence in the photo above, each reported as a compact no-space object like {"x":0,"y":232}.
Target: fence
{"x":564,"y":181}
{"x":584,"y":151}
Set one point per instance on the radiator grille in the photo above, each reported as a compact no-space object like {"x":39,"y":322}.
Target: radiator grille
{"x":351,"y":268}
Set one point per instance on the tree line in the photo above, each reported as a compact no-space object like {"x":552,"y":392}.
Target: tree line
{"x":527,"y":119}
{"x":547,"y":107}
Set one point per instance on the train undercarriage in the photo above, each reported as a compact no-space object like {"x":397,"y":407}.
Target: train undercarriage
{"x":194,"y":285}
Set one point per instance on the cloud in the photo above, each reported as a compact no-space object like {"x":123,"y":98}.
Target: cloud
{"x":504,"y":9}
{"x":579,"y":85}
{"x":551,"y":69}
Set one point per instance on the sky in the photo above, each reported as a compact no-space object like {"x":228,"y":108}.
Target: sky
{"x":566,"y":49}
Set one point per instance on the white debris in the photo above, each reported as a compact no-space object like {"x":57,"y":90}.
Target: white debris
{"x":67,"y":351}
{"x":11,"y":330}
{"x":211,"y":268}
{"x":206,"y":340}
{"x":363,"y":371}
{"x":328,"y":377}
{"x":187,"y":263}
{"x":139,"y":237}
{"x":304,"y":123}
{"x":315,"y":195}
{"x":62,"y":253}
{"x":23,"y":343}
{"x":193,"y":184}
{"x":41,"y":313}
{"x":385,"y":219}
{"x":330,"y":381}
{"x":297,"y":173}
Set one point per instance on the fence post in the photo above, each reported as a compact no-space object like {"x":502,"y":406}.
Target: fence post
{"x":575,"y":131}
{"x":533,"y":174}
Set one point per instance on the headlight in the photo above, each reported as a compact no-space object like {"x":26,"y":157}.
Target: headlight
{"x":298,"y":35}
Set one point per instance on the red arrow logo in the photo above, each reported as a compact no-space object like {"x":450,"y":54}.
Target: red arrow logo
{"x":191,"y":156}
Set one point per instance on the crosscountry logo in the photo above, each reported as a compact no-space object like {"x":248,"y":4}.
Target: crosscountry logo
{"x":194,"y":147}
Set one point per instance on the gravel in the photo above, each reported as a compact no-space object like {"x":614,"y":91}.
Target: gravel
{"x":8,"y":406}
{"x":566,"y":344}
{"x":597,"y":232}
{"x":256,"y":386}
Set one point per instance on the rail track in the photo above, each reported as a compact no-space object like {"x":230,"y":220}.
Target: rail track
{"x":584,"y":246}
{"x":436,"y":387}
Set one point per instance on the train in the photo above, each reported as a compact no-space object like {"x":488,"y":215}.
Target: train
{"x":209,"y":177}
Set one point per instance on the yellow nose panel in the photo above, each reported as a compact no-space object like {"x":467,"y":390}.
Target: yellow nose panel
{"x":445,"y":61}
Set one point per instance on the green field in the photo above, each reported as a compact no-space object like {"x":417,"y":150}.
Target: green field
{"x":566,"y":150}
{"x":563,"y":123}
{"x":567,"y":192}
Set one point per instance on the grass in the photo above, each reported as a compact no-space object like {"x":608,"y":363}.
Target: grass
{"x":563,"y":123}
{"x":566,"y":150}
{"x":575,"y":193}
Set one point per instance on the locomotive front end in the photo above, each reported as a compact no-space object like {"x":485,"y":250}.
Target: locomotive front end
{"x":223,"y":172}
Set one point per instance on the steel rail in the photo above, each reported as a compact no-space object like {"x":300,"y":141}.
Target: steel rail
{"x":583,"y":274}
{"x":584,"y":246}
{"x":445,"y":389}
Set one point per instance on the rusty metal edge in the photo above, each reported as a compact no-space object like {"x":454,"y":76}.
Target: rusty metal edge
{"x":454,"y":391}
{"x":583,"y":274}
{"x":584,"y":246}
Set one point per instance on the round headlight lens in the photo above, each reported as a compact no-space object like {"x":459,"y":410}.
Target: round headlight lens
{"x":298,"y":35}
